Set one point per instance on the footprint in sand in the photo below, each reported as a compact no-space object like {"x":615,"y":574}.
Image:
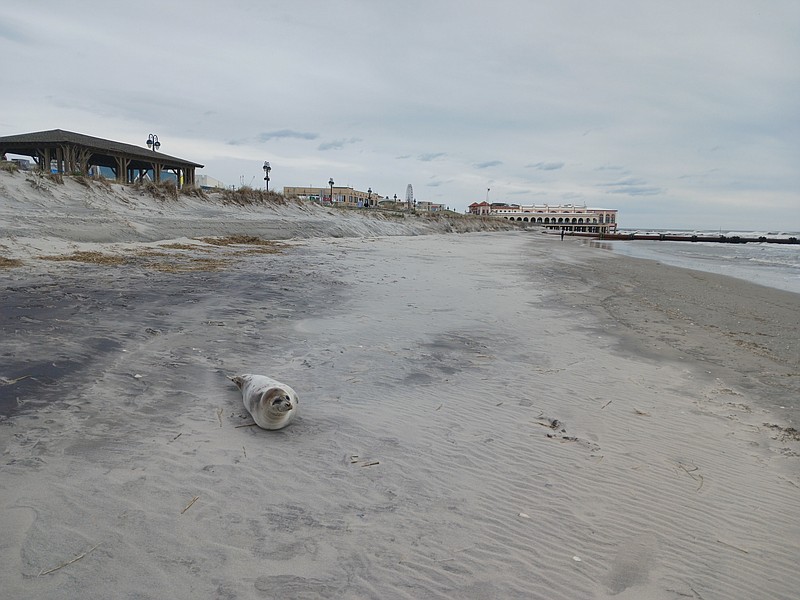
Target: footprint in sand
{"x":632,"y":564}
{"x":15,"y":523}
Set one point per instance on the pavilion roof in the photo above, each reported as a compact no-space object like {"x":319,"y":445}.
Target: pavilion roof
{"x":28,"y":143}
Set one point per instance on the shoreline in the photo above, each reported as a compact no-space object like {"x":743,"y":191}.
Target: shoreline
{"x":482,"y":415}
{"x":744,"y":331}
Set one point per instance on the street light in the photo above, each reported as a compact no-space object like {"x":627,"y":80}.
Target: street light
{"x":152,"y":142}
{"x":369,"y":197}
{"x":267,"y":169}
{"x":330,"y":183}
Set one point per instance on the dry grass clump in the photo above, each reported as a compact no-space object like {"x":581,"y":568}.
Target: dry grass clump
{"x":102,"y":181}
{"x":246,"y":196}
{"x":87,"y":181}
{"x":163,"y":190}
{"x":38,"y":180}
{"x":95,"y":258}
{"x":277,"y":249}
{"x":7,"y":263}
{"x":195,"y":264}
{"x":177,"y":246}
{"x":243,"y":240}
{"x":196,"y":192}
{"x":171,"y":262}
{"x":9,"y":166}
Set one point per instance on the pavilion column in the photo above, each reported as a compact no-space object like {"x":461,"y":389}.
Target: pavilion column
{"x":69,"y":161}
{"x":43,"y":160}
{"x":122,"y":169}
{"x":82,"y":160}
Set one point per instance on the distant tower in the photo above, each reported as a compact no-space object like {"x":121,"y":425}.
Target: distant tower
{"x":409,"y":197}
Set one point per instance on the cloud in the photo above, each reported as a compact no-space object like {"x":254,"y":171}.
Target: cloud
{"x":338,"y":144}
{"x":428,"y":157}
{"x":631,"y":186}
{"x":702,"y":175}
{"x":489,"y":163}
{"x":286,"y":133}
{"x":546,"y":166}
{"x":403,"y":157}
{"x":274,"y":135}
{"x":11,"y":33}
{"x":436,"y":182}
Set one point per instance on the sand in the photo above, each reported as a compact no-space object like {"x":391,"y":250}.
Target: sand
{"x":486,"y":415}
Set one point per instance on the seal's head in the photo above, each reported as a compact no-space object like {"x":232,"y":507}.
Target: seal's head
{"x":277,"y":400}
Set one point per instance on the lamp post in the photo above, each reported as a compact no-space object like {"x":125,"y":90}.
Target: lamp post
{"x":154,"y":145}
{"x":330,"y":183}
{"x":152,"y":142}
{"x":267,"y":169}
{"x":369,"y":197}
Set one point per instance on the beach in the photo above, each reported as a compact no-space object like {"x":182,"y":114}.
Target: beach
{"x":495,"y":414}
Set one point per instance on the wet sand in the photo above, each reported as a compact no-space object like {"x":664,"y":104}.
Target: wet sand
{"x":489,"y":415}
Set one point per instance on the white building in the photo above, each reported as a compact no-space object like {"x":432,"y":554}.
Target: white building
{"x":569,"y":217}
{"x":207,"y":182}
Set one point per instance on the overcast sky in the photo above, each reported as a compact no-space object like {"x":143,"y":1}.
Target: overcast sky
{"x":681,"y":114}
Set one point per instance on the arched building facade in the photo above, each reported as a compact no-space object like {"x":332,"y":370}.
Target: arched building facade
{"x":569,"y":217}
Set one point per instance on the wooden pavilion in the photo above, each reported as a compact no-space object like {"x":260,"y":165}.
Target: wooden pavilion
{"x":66,"y":152}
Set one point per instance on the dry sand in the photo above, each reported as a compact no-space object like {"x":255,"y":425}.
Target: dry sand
{"x":489,"y":415}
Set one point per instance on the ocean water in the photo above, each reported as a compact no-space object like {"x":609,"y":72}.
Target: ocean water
{"x":772,"y":265}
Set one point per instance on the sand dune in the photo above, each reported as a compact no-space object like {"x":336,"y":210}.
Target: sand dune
{"x":490,"y":415}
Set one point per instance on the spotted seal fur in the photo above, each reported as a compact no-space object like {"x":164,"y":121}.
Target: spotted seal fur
{"x":272,"y":404}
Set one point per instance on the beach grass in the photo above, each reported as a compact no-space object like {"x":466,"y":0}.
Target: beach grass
{"x":7,"y":263}
{"x":91,"y":257}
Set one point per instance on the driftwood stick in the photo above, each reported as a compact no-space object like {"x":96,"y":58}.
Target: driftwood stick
{"x":188,"y":506}
{"x":732,"y":546}
{"x":690,"y":473}
{"x":69,"y":562}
